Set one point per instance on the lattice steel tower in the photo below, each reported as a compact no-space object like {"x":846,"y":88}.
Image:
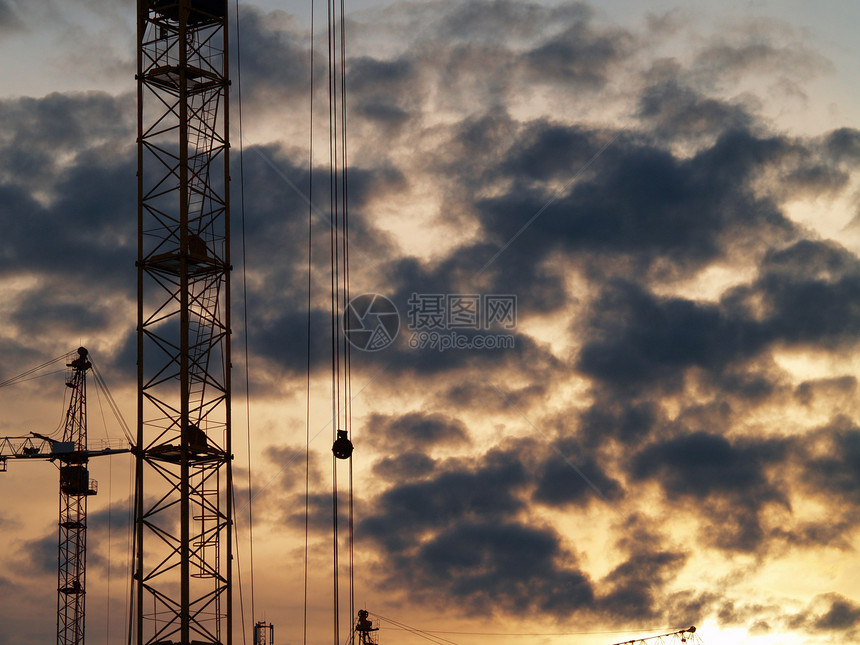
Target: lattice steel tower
{"x":183,"y":517}
{"x":75,"y":487}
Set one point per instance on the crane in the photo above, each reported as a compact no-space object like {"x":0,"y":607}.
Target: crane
{"x":365,"y":629}
{"x":183,"y":542}
{"x":75,"y":487}
{"x":687,"y":635}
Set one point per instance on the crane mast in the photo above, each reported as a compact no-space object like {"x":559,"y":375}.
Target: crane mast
{"x":75,"y":487}
{"x":183,"y":489}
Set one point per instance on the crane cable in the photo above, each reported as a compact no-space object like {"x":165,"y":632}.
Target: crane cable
{"x":245,"y":326}
{"x":341,"y":391}
{"x":339,"y":294}
{"x":434,"y":634}
{"x":421,"y":633}
{"x":101,"y":385}
{"x":110,"y":511}
{"x":346,"y":299}
{"x":32,"y":374}
{"x":20,"y":378}
{"x":308,"y":356}
{"x":334,"y":272}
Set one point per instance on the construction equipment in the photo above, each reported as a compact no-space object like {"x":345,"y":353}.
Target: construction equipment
{"x":365,"y":629}
{"x":264,"y":633}
{"x":183,"y":474}
{"x":75,"y":487}
{"x":687,"y":635}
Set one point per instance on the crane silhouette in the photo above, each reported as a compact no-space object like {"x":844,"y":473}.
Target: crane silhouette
{"x":76,"y":487}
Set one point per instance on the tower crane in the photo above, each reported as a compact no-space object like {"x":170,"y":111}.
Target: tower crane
{"x":75,"y":487}
{"x":183,"y":542}
{"x":687,"y":635}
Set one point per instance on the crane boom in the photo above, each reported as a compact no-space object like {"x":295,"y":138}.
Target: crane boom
{"x":36,"y":446}
{"x":687,"y":635}
{"x":32,"y":446}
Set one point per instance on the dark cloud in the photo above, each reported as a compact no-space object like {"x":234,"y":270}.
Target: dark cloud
{"x":537,"y":287}
{"x":382,"y":90}
{"x":276,"y":227}
{"x":457,"y":536}
{"x":484,"y":20}
{"x":283,"y":339}
{"x":828,"y":388}
{"x":9,"y":19}
{"x":291,"y":462}
{"x":490,"y":567}
{"x":38,"y":134}
{"x":830,"y":612}
{"x":545,"y":151}
{"x":831,"y":466}
{"x":641,"y":340}
{"x":23,"y":352}
{"x":275,"y":60}
{"x":44,"y":313}
{"x":470,"y":394}
{"x":843,"y":614}
{"x":731,"y":612}
{"x":38,"y":557}
{"x":803,"y":296}
{"x":635,"y":586}
{"x":703,"y":463}
{"x":580,"y":56}
{"x":728,"y":482}
{"x":405,"y":466}
{"x":643,"y":203}
{"x":808,"y":292}
{"x":415,"y":430}
{"x":843,"y":144}
{"x":67,"y":213}
{"x":319,"y":515}
{"x":565,"y":478}
{"x":678,"y":112}
{"x":455,"y":493}
{"x":749,"y":384}
{"x":113,"y":518}
{"x":835,"y":533}
{"x":624,"y":420}
{"x":419,"y":353}
{"x":97,"y":243}
{"x":756,"y":53}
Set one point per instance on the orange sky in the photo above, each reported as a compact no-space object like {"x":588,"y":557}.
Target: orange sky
{"x":669,"y":193}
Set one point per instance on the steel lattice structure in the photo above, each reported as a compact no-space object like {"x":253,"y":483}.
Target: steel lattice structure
{"x":183,"y":490}
{"x":75,"y":487}
{"x":687,"y":635}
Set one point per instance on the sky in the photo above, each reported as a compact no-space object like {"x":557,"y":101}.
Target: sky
{"x":662,"y":432}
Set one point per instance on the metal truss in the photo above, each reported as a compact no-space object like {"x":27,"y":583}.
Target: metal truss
{"x":183,"y":474}
{"x":75,"y":487}
{"x":687,"y":635}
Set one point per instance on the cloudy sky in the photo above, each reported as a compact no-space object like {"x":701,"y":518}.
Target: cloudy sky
{"x":669,"y":433}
